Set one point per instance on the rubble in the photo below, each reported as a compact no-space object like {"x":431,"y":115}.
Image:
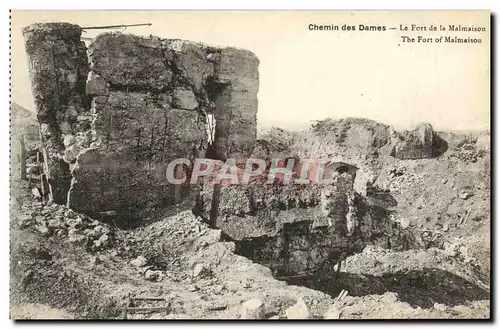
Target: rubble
{"x":154,"y":275}
{"x":465,"y":195}
{"x":62,"y":223}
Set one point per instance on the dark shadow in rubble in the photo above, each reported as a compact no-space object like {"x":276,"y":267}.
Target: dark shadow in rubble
{"x":439,"y":146}
{"x":417,"y":288}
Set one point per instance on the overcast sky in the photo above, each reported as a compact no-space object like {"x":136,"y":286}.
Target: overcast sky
{"x":309,"y":75}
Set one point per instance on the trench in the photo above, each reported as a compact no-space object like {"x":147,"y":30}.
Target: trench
{"x":417,"y":287}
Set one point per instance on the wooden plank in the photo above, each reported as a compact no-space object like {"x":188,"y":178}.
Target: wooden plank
{"x":42,"y":183}
{"x":147,"y":309}
{"x":22,"y":156}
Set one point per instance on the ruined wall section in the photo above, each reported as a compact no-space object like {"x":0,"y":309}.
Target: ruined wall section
{"x":297,"y":229}
{"x":58,"y":69}
{"x":144,"y":103}
{"x":236,"y":103}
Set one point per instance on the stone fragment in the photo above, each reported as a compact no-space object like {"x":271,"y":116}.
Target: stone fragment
{"x":54,"y":223}
{"x":464,"y":195}
{"x":74,"y":237}
{"x":298,"y":311}
{"x":101,"y":242}
{"x":99,"y":229}
{"x":390,"y":297}
{"x":138,"y":262}
{"x":185,"y":99}
{"x":252,"y":309}
{"x":440,"y":307}
{"x":61,"y":233}
{"x":74,"y":222}
{"x":24,"y":220}
{"x":43,"y":230}
{"x":154,"y":275}
{"x":71,"y":113}
{"x":198,"y":270}
{"x":404,"y":222}
{"x":71,"y":153}
{"x":96,"y":85}
{"x":212,"y":236}
{"x":65,"y":127}
{"x":69,"y":140}
{"x":332,"y":313}
{"x":36,"y":192}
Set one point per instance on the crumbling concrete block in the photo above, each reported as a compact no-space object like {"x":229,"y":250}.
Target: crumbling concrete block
{"x":58,"y":70}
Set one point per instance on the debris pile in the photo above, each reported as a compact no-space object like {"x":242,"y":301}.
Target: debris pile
{"x":59,"y":222}
{"x":469,"y":150}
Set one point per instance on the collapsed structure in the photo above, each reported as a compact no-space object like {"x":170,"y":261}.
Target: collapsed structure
{"x":114,"y":115}
{"x":112,"y":120}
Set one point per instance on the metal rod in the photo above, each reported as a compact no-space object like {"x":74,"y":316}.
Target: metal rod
{"x":114,"y":26}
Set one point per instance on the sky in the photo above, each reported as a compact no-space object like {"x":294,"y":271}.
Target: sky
{"x":312,"y":75}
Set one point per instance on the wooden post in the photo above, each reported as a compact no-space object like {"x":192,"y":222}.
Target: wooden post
{"x":23,"y":158}
{"x":42,"y":182}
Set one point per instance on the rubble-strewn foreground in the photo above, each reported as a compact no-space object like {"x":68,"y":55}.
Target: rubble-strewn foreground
{"x":401,"y":232}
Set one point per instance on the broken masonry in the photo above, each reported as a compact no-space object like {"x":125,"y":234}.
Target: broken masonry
{"x":113,"y":115}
